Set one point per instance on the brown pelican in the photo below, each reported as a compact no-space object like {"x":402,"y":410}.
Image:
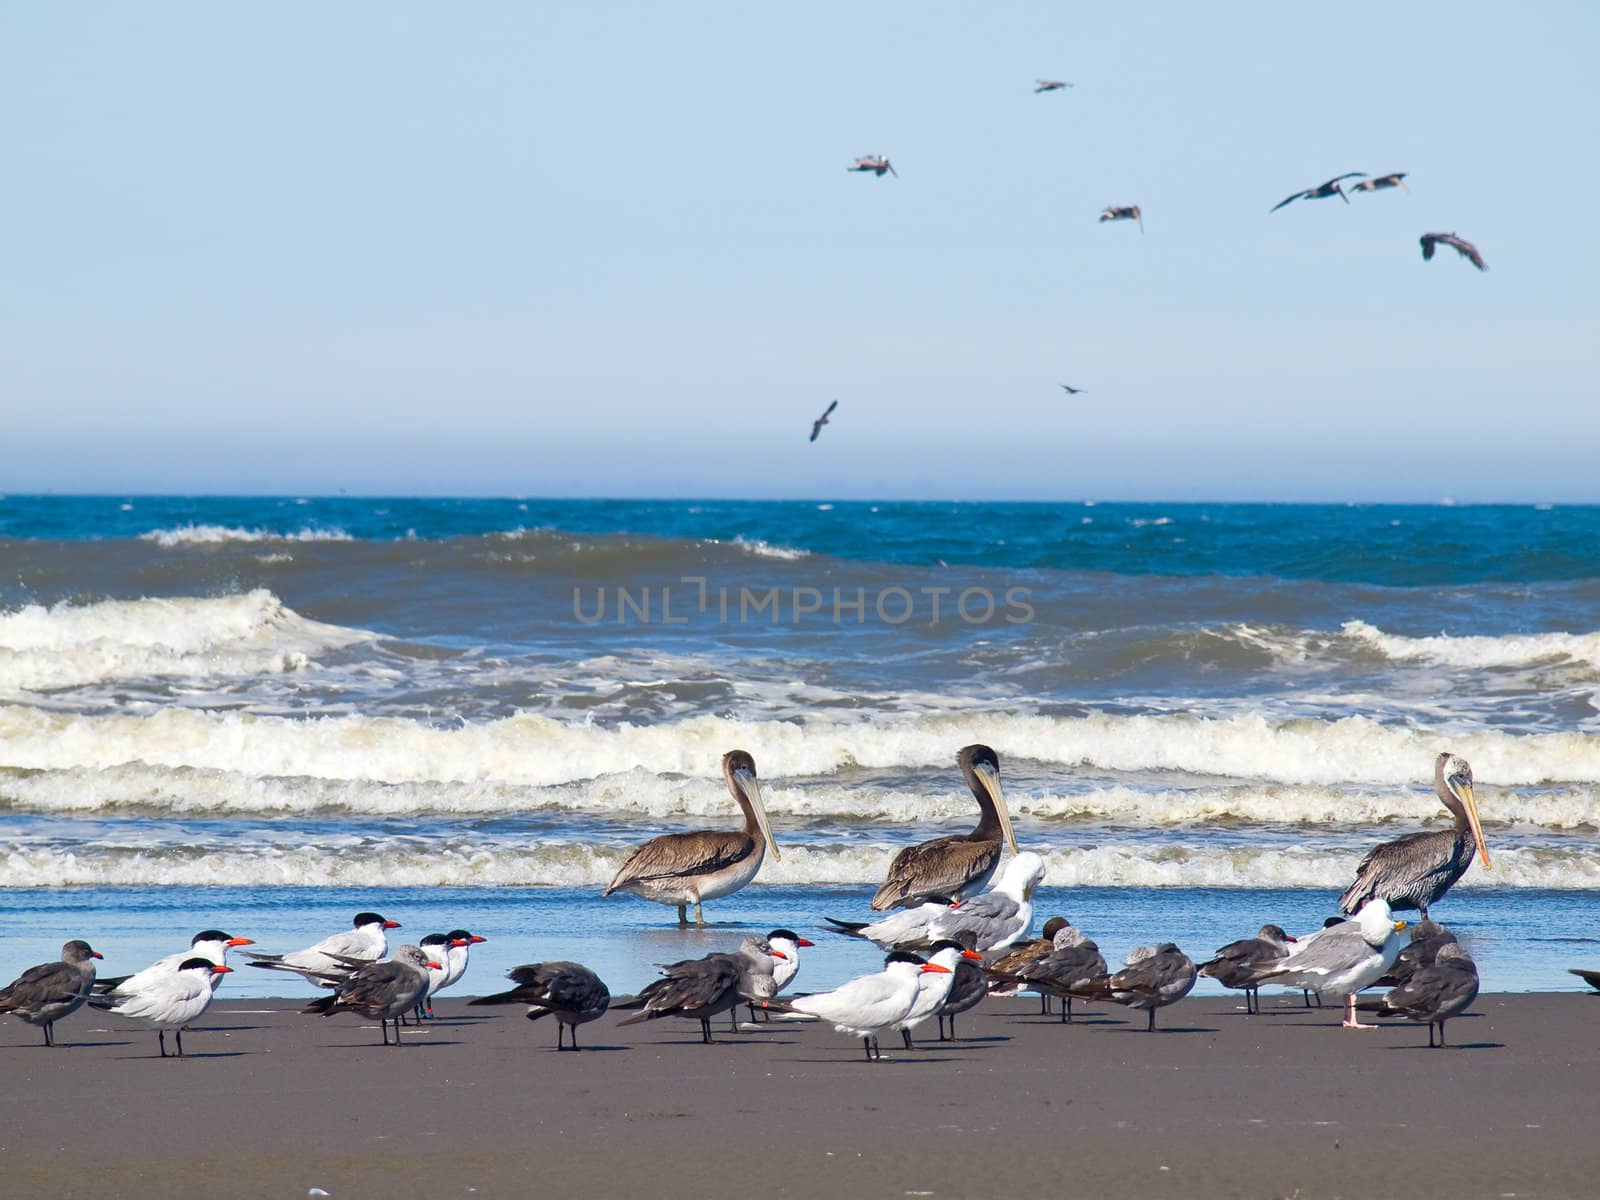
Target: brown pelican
{"x":1153,"y":977}
{"x":1344,"y":958}
{"x":1123,"y":212}
{"x":995,"y":919}
{"x":44,"y":994}
{"x":876,"y":163}
{"x":1239,"y":964}
{"x":1322,"y":191}
{"x":1414,"y":871}
{"x":1433,"y":994}
{"x":688,"y":868}
{"x":1074,"y":962}
{"x":1380,"y":182}
{"x":1592,"y":978}
{"x":816,"y":426}
{"x":701,"y":988}
{"x":1466,"y":249}
{"x":1049,"y":85}
{"x":1020,"y":955}
{"x":568,"y":991}
{"x":949,"y":868}
{"x":380,"y":991}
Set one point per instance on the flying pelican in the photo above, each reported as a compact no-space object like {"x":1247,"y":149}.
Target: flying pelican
{"x":1433,"y":994}
{"x":1153,"y":977}
{"x":995,"y":919}
{"x":876,"y":163}
{"x":1073,"y":962}
{"x":1466,"y":249}
{"x":1344,"y":958}
{"x":816,"y":426}
{"x":949,"y":868}
{"x":1238,"y":964}
{"x":1378,"y":183}
{"x":688,"y":868}
{"x":569,"y":991}
{"x":1123,"y":212}
{"x":1070,"y":390}
{"x":1049,"y":85}
{"x":1322,"y":191}
{"x":1414,"y":871}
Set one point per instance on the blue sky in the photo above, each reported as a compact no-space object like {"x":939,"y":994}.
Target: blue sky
{"x":610,"y":249}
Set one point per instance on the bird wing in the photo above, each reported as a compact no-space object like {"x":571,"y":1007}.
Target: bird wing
{"x":1346,"y":175}
{"x":43,"y":984}
{"x":1428,"y":239}
{"x":1335,"y":950}
{"x":869,"y":1001}
{"x":675,"y":855}
{"x":1466,"y":249}
{"x":1287,"y":199}
{"x":936,"y":869}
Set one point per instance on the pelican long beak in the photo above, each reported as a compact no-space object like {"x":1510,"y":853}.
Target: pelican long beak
{"x":758,"y":805}
{"x":1462,"y":791}
{"x":990,"y":778}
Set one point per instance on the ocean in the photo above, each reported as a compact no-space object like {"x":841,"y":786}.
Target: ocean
{"x":267,"y":713}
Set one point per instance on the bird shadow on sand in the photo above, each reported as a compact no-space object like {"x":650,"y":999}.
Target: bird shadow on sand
{"x":887,"y":1060}
{"x":186,"y":1056}
{"x":1131,"y":1027}
{"x":404,"y":1045}
{"x":1452,"y":1046}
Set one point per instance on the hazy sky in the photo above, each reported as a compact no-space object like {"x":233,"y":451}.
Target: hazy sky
{"x":610,"y":249}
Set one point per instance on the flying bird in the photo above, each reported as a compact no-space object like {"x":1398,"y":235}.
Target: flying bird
{"x":1124,"y":212}
{"x":1380,"y":182}
{"x":1068,"y":388}
{"x":1049,"y":85}
{"x":1466,"y":249}
{"x":876,"y":163}
{"x":816,"y":426}
{"x":1322,"y":191}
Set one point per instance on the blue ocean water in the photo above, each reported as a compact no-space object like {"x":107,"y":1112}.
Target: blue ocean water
{"x":288,"y":708}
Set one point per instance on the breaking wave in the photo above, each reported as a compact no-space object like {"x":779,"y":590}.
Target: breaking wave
{"x":216,"y":535}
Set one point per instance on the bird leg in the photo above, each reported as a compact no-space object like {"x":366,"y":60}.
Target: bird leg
{"x":161,"y":1037}
{"x":1151,"y":1028}
{"x":1350,"y":1021}
{"x":905,"y":1034}
{"x":699,"y":917}
{"x":178,"y":1034}
{"x":683,"y":915}
{"x":705,"y":1031}
{"x":49,"y":1040}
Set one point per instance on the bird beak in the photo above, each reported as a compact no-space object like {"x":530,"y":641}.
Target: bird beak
{"x":391,"y":924}
{"x":934,"y":969}
{"x":475,"y":939}
{"x":1462,"y":791}
{"x":990,"y":778}
{"x":1399,"y":925}
{"x":461,"y":942}
{"x":219,"y":969}
{"x":433,"y":966}
{"x":751,"y":786}
{"x":973,"y":955}
{"x":780,"y":954}
{"x":804,"y":942}
{"x":1289,"y":937}
{"x":238,"y":942}
{"x":96,"y":954}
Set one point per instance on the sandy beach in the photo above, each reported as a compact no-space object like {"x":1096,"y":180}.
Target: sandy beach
{"x":1216,"y":1104}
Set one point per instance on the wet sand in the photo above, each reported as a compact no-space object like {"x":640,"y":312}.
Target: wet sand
{"x":1215,"y":1104}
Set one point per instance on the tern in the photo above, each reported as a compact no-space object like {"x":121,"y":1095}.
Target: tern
{"x":325,"y":963}
{"x":168,"y":999}
{"x":868,"y":1005}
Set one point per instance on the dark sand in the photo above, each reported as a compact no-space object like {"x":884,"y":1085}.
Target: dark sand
{"x":1217,"y":1104}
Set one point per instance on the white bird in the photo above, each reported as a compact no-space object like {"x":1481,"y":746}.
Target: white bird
{"x":933,"y":987}
{"x":785,"y":942}
{"x":1344,"y":958}
{"x":330,"y":960}
{"x":451,"y":951}
{"x":210,"y":944}
{"x":870,"y":1004}
{"x":995,"y":918}
{"x":167,"y":999}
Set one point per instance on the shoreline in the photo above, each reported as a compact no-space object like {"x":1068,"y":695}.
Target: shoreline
{"x":1214,"y":1104}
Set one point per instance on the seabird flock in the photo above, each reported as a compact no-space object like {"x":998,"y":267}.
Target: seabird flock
{"x":958,"y":912}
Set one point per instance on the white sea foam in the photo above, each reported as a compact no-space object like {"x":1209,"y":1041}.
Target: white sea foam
{"x":416,"y":862}
{"x":136,"y":787}
{"x":761,"y":549}
{"x":1512,"y":650}
{"x":72,"y":645}
{"x":215,"y":535}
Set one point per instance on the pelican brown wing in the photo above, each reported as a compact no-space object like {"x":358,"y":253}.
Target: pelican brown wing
{"x":935,"y":870}
{"x":675,"y":855}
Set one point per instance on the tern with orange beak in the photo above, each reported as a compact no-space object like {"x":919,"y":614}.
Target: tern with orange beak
{"x":167,"y":1000}
{"x":210,"y":944}
{"x":336,"y":956}
{"x":1416,"y":870}
{"x":869,"y":1005}
{"x":689,"y":868}
{"x":951,"y":868}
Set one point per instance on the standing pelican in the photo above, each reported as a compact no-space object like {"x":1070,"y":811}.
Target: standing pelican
{"x":1322,"y":191}
{"x":949,"y":868}
{"x":1378,"y":184}
{"x":1462,"y":247}
{"x":1123,"y":212}
{"x":1414,"y":871}
{"x":688,"y":868}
